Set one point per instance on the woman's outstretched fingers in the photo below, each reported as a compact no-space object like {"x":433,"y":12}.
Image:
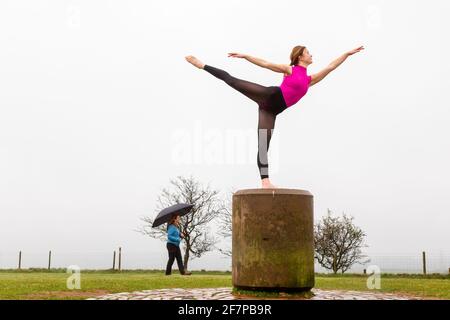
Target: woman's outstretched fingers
{"x":236,"y":55}
{"x":356,"y":50}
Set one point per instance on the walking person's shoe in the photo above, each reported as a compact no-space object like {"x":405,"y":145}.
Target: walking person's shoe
{"x":186,"y":273}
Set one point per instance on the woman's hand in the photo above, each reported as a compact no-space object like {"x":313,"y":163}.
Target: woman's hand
{"x":333,"y":65}
{"x":236,"y":55}
{"x":355,"y":50}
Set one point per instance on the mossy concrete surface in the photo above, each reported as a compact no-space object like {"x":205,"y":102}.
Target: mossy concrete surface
{"x":273,"y":242}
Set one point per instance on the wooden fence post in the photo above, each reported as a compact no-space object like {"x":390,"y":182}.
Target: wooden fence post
{"x":20,"y":260}
{"x":120,"y":259}
{"x":49,"y":259}
{"x":424,"y":263}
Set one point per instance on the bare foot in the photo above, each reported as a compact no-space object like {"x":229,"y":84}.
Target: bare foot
{"x":266,"y":184}
{"x":193,"y":60}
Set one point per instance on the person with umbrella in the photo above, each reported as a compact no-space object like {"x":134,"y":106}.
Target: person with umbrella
{"x":174,"y":237}
{"x":171,"y":215}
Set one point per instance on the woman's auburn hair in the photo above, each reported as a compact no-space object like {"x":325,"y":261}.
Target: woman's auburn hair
{"x":172,"y":220}
{"x":296,"y":53}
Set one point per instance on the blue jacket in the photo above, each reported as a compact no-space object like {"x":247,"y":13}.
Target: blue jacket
{"x":173,"y":235}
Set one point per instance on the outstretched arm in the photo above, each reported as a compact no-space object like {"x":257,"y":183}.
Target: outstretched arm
{"x":333,"y":65}
{"x":281,"y":68}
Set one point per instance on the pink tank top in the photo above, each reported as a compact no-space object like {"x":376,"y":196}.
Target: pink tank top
{"x":295,"y":86}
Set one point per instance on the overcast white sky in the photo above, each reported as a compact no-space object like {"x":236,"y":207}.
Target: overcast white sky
{"x":94,"y":96}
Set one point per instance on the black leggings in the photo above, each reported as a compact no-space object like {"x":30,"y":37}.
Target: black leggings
{"x":174,"y":252}
{"x":270,"y":101}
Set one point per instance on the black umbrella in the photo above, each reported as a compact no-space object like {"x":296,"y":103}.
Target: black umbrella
{"x":166,"y":214}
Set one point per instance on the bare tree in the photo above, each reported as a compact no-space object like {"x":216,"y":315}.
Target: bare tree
{"x":338,"y":243}
{"x":207,"y":206}
{"x":225,"y":225}
{"x":225,"y":222}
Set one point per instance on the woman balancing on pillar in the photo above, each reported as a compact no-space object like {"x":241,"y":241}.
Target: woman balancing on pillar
{"x":273,"y":100}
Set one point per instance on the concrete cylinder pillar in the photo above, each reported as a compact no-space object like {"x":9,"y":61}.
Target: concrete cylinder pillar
{"x":273,"y":240}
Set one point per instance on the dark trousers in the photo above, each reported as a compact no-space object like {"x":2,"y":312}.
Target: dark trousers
{"x":174,"y":252}
{"x":271,"y":103}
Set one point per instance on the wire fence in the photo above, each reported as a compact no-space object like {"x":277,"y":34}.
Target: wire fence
{"x":416,"y":263}
{"x":119,"y":259}
{"x":419,"y":263}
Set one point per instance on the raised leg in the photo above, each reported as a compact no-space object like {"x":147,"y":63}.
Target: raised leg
{"x":254,"y":91}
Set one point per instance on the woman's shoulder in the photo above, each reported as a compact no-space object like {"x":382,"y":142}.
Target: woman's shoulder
{"x":290,"y":71}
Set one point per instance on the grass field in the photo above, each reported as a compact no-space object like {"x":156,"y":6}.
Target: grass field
{"x":52,"y":285}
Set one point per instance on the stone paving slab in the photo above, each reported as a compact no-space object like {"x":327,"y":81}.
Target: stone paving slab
{"x":226,"y":294}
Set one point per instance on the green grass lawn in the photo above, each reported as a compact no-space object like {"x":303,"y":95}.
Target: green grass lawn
{"x":52,"y":285}
{"x":423,"y":287}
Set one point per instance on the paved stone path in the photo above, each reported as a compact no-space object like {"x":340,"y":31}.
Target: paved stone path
{"x":226,"y":294}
